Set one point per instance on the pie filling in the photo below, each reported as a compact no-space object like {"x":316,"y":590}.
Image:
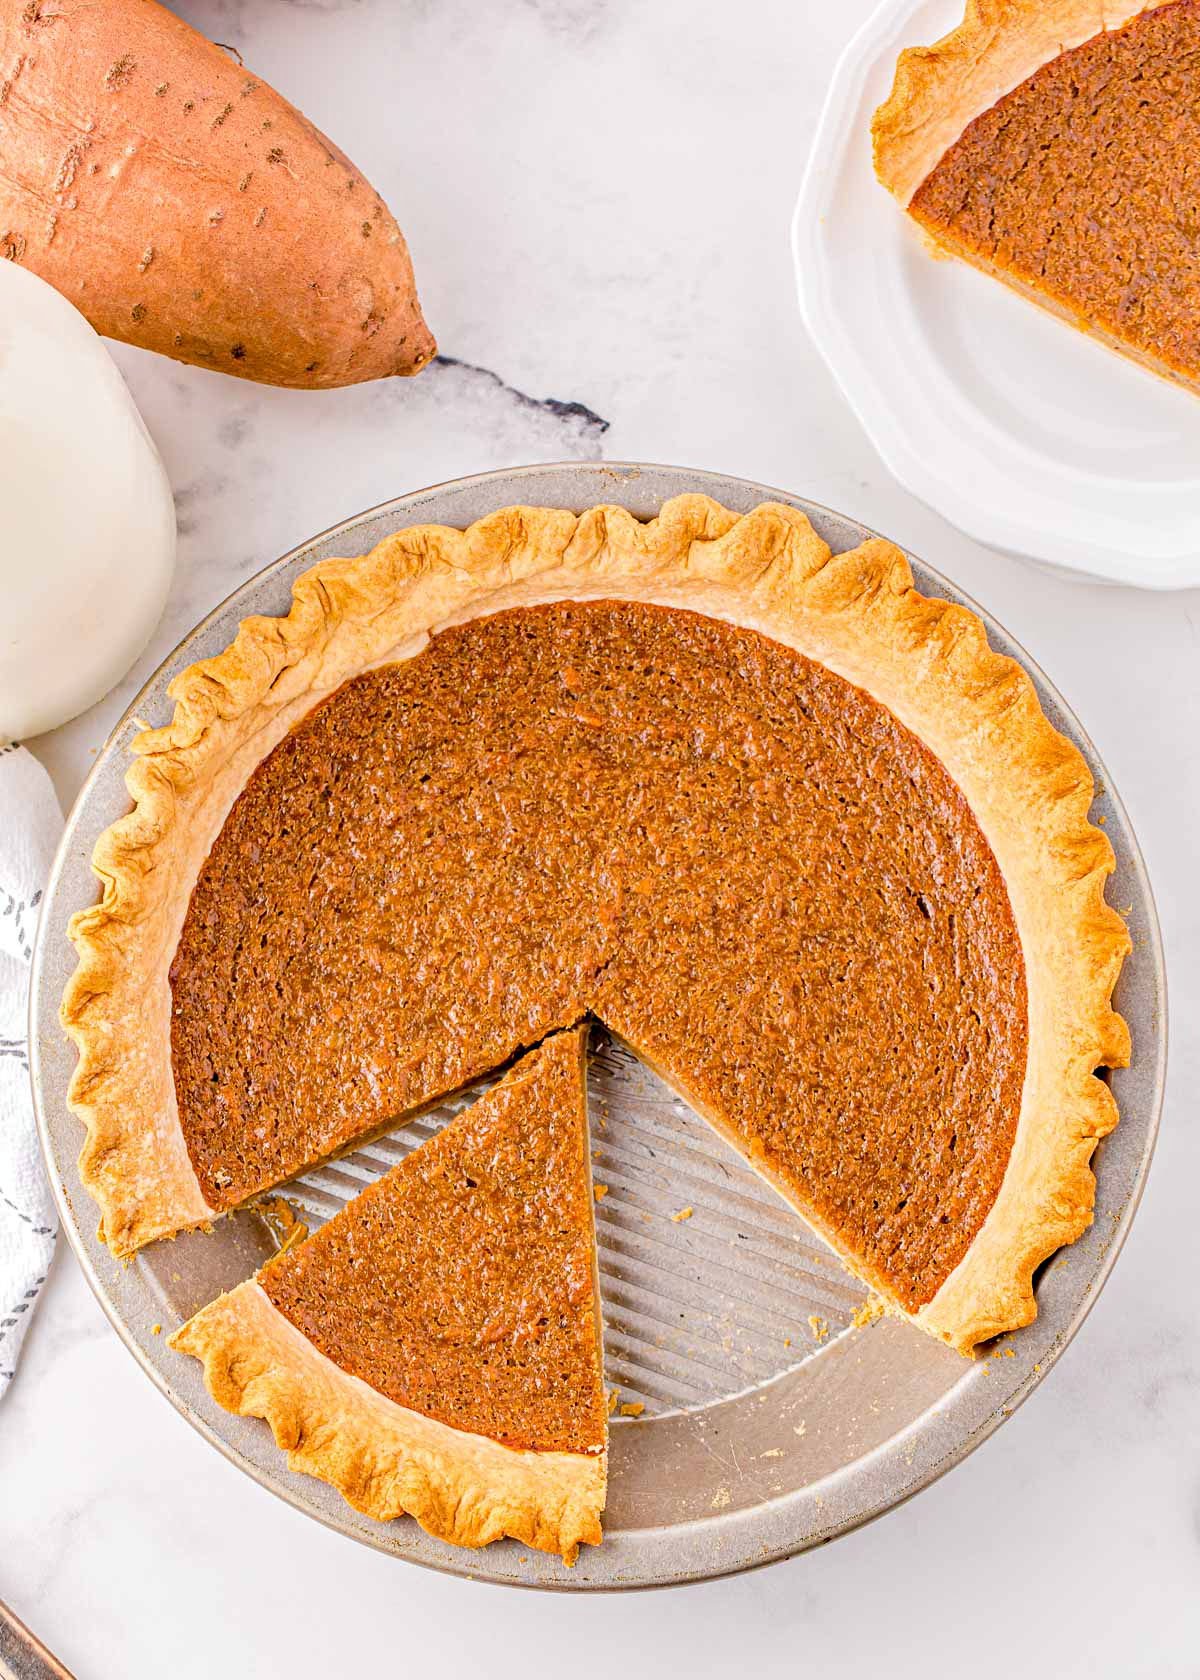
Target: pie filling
{"x":460,"y":1285}
{"x":741,"y":863}
{"x":1082,"y":184}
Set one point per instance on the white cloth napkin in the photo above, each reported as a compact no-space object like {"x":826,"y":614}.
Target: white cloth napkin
{"x":30,"y":824}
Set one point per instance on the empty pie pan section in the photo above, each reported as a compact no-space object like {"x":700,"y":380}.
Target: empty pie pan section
{"x":769,"y":1422}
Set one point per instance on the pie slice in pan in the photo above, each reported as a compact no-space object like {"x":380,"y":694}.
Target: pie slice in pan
{"x":788,"y":827}
{"x":435,"y":1348}
{"x":1053,"y":144}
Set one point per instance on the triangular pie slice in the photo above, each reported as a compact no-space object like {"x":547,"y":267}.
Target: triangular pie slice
{"x":1053,"y":144}
{"x":435,"y":1348}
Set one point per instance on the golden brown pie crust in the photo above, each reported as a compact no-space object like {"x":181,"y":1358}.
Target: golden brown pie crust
{"x":940,"y":89}
{"x":384,"y":1459}
{"x":925,"y":660}
{"x":435,"y":1348}
{"x":950,"y":143}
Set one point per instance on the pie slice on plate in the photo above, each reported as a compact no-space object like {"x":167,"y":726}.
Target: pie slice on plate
{"x":787,"y":826}
{"x":1054,"y":144}
{"x":435,"y":1348}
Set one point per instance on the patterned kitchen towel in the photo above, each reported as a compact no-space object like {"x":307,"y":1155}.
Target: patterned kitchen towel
{"x":30,"y":824}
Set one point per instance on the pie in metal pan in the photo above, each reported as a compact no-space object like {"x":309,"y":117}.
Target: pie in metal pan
{"x":787,"y":664}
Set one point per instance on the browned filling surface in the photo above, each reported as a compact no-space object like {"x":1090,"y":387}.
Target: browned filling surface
{"x":1084,"y":183}
{"x":461,"y":1285}
{"x":740,"y":862}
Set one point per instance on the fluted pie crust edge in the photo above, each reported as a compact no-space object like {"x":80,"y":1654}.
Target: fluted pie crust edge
{"x":858,"y":613}
{"x":384,"y":1459}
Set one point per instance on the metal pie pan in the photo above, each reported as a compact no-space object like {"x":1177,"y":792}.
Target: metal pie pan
{"x":769,"y":1422}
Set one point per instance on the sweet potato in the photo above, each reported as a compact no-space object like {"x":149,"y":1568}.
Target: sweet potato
{"x":183,"y":205}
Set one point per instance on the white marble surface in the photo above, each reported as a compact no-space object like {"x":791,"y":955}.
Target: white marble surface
{"x":597,"y":196}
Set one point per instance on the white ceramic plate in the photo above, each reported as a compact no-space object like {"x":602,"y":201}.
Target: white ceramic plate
{"x":1022,"y":432}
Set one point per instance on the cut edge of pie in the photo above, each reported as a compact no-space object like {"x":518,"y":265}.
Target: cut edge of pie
{"x":939,"y":90}
{"x":858,"y":613}
{"x":388,"y":1460}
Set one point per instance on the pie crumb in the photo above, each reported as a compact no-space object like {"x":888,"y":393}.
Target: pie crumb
{"x":599,"y":1191}
{"x":819,"y":1326}
{"x":632,"y":1408}
{"x":613,"y":1395}
{"x":684,"y":1213}
{"x":156,"y":1329}
{"x":283,"y":1222}
{"x":871,"y":1311}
